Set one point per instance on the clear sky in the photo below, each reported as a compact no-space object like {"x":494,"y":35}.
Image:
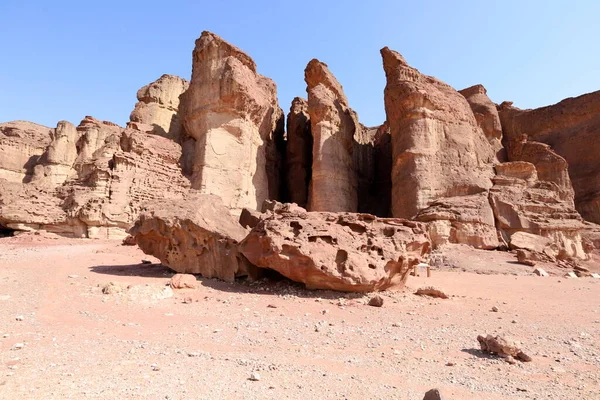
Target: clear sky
{"x":67,"y":59}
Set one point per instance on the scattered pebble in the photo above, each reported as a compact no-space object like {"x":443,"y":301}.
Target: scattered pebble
{"x":495,"y":309}
{"x":19,"y":318}
{"x":376,"y":301}
{"x":255,"y":376}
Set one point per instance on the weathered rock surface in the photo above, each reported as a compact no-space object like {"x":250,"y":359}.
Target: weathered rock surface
{"x":195,"y":235}
{"x":523,"y":204}
{"x":299,"y":152}
{"x":56,"y":164}
{"x":333,"y":186}
{"x":233,"y":115}
{"x":438,"y":148}
{"x":158,"y":107}
{"x":571,"y":128}
{"x":21,"y":145}
{"x":338,"y":251}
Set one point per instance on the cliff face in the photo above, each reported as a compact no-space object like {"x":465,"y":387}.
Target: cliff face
{"x":232,"y":114}
{"x":571,"y":128}
{"x":468,"y":171}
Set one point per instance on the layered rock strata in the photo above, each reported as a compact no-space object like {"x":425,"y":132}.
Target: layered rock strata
{"x":22,"y":144}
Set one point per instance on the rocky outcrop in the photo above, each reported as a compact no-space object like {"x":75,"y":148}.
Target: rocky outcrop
{"x":462,"y":219}
{"x":298,"y":152}
{"x":157,"y":109}
{"x":571,"y":128}
{"x":333,"y":125}
{"x":523,"y":203}
{"x":487,"y":117}
{"x":338,"y":251}
{"x":56,"y":164}
{"x":21,"y":145}
{"x":195,"y":235}
{"x":438,"y":148}
{"x":233,"y":115}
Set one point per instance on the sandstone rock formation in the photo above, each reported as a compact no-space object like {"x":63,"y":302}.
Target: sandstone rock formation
{"x":333,"y":125}
{"x":21,"y":145}
{"x":195,"y":235}
{"x":571,"y":128}
{"x":461,"y":219}
{"x":232,"y":113}
{"x":438,"y":148}
{"x":522,"y":203}
{"x":487,"y":117}
{"x":298,"y":152}
{"x":91,"y":181}
{"x":338,"y":251}
{"x":158,"y":107}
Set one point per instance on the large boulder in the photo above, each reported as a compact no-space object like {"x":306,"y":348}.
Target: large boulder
{"x":233,"y":116}
{"x":438,"y":148}
{"x":158,"y":107}
{"x":571,"y":128}
{"x":195,"y":235}
{"x":339,"y":251}
{"x":21,"y":145}
{"x":333,"y":125}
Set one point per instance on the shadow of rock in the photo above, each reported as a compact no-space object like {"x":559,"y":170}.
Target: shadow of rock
{"x":141,"y":270}
{"x":479,"y":354}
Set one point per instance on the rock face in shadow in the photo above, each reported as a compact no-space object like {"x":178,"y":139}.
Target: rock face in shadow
{"x":571,"y":128}
{"x":233,"y":115}
{"x":438,"y":148}
{"x":195,"y":235}
{"x":523,"y":203}
{"x":298,"y":152}
{"x":372,"y":158}
{"x":333,"y":125}
{"x":339,"y":251}
{"x":21,"y":145}
{"x":157,"y":109}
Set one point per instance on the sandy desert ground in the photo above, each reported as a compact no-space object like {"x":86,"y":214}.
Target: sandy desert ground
{"x":61,"y":337}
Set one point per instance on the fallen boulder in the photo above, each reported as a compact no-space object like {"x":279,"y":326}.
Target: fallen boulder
{"x":195,"y":235}
{"x":501,"y":346}
{"x":339,"y":251}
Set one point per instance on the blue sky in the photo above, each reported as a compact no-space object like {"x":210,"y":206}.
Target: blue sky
{"x":68,"y":59}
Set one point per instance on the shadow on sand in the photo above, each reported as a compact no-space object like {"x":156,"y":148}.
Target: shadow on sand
{"x":272,"y":284}
{"x":479,"y":354}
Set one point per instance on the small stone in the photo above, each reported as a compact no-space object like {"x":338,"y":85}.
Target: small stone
{"x":271,"y":306}
{"x":255,"y":376}
{"x":155,"y":367}
{"x":431,"y":292}
{"x":571,"y":275}
{"x":19,"y":318}
{"x":73,"y":276}
{"x":183,"y":281}
{"x":595,"y":276}
{"x":188,"y":300}
{"x":450,"y":364}
{"x":18,"y":346}
{"x":433,"y":394}
{"x":495,"y":309}
{"x":540,"y":272}
{"x":376,"y":301}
